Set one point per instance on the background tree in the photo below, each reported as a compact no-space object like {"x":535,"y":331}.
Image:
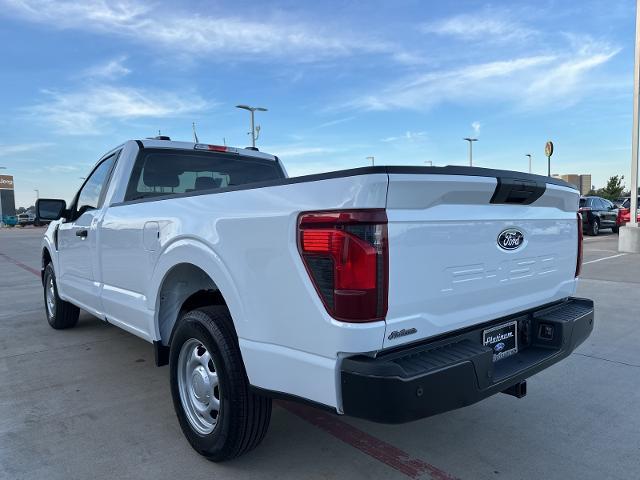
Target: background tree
{"x":613,"y":189}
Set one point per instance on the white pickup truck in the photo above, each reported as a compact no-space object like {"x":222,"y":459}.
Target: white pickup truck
{"x":386,"y":293}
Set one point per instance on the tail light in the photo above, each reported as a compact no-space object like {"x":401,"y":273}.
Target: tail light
{"x":346,"y":255}
{"x":622,"y":213}
{"x":579,"y":259}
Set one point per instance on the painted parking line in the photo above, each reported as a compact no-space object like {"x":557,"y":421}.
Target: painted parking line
{"x":18,"y":263}
{"x":378,"y":449}
{"x":382,"y":451}
{"x":604,"y":258}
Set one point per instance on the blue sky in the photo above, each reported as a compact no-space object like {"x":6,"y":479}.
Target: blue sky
{"x":403,"y":81}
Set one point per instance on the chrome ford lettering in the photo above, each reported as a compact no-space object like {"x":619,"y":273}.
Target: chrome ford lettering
{"x":510,"y":239}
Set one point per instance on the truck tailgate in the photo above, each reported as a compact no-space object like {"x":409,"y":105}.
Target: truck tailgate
{"x":446,"y":268}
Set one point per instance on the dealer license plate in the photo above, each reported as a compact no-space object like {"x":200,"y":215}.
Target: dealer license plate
{"x":503,"y":340}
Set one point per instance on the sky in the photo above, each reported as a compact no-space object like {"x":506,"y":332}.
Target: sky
{"x":402,"y":81}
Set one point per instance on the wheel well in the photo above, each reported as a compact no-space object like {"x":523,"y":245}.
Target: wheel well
{"x":186,"y":287}
{"x":46,"y":258}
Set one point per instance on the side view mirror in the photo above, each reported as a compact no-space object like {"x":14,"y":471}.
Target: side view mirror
{"x":49,"y":209}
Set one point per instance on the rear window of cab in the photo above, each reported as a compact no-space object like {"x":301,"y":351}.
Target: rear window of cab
{"x":159,"y":172}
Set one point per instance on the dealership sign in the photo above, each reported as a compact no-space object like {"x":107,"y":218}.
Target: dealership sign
{"x":6,"y":182}
{"x":548,"y":148}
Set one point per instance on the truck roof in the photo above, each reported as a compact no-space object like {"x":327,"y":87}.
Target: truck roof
{"x":171,"y":144}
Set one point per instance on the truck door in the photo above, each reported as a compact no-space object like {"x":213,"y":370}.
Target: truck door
{"x":78,"y":239}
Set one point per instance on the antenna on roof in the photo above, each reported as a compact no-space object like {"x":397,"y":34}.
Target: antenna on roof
{"x":159,"y":133}
{"x":224,"y":141}
{"x":195,"y":135}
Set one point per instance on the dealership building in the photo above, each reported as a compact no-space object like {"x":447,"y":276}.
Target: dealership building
{"x":7,"y":200}
{"x":582,"y":182}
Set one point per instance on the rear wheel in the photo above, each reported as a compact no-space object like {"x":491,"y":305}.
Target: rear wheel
{"x":60,"y":314}
{"x":615,"y":229}
{"x":218,"y":413}
{"x":594,"y":228}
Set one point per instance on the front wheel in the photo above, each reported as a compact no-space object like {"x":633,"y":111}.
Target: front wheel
{"x":594,"y":228}
{"x":60,"y":314}
{"x":615,"y":229}
{"x":218,"y":413}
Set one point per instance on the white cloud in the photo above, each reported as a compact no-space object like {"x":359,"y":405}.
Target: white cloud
{"x":487,"y":25}
{"x":426,"y":90}
{"x":296,"y":150}
{"x":110,"y":70}
{"x":338,"y":121}
{"x":476,"y":128}
{"x":62,"y":168}
{"x":16,"y":149}
{"x":531,"y":82}
{"x":567,"y":77}
{"x":85,"y":111}
{"x":408,"y":136}
{"x":196,"y":34}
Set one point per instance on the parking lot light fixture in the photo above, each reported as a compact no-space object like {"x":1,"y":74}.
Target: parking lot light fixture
{"x":254,"y":129}
{"x":470,"y":140}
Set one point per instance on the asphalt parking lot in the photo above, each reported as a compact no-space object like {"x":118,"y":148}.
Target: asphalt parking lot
{"x":89,"y":403}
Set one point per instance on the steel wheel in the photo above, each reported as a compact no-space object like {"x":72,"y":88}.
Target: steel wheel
{"x":50,"y":293}
{"x":198,"y":386}
{"x":218,"y":413}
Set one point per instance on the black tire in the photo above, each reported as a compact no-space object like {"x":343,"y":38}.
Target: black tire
{"x":243,"y":417}
{"x":594,"y":228}
{"x":63,"y":314}
{"x":615,"y":229}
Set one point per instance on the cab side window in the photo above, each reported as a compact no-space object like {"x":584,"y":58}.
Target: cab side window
{"x":91,"y":195}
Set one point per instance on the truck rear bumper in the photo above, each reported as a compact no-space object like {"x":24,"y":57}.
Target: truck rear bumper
{"x":458,"y":370}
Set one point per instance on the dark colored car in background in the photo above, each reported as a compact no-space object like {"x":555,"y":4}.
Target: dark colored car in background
{"x":598,"y":213}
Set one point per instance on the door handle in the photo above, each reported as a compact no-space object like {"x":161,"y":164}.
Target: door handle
{"x":82,"y":233}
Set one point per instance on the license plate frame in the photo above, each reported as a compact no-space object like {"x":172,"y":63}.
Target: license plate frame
{"x":503,"y":339}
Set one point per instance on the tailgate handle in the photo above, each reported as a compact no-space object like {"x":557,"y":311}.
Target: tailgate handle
{"x":518,"y":191}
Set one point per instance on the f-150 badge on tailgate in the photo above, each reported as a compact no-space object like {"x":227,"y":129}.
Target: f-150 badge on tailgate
{"x":510,"y":239}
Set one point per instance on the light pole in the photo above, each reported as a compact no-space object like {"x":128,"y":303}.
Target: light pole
{"x":470,"y":140}
{"x":634,"y":149}
{"x":37,"y":194}
{"x":252,"y":110}
{"x":629,"y":236}
{"x":373,"y":160}
{"x":529,"y":155}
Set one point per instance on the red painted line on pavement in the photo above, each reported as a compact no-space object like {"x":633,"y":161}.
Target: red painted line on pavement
{"x":382,"y":451}
{"x":368,"y":444}
{"x":20,"y":264}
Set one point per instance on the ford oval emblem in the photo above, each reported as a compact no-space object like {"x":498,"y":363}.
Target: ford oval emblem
{"x":499,"y":347}
{"x":510,"y":239}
